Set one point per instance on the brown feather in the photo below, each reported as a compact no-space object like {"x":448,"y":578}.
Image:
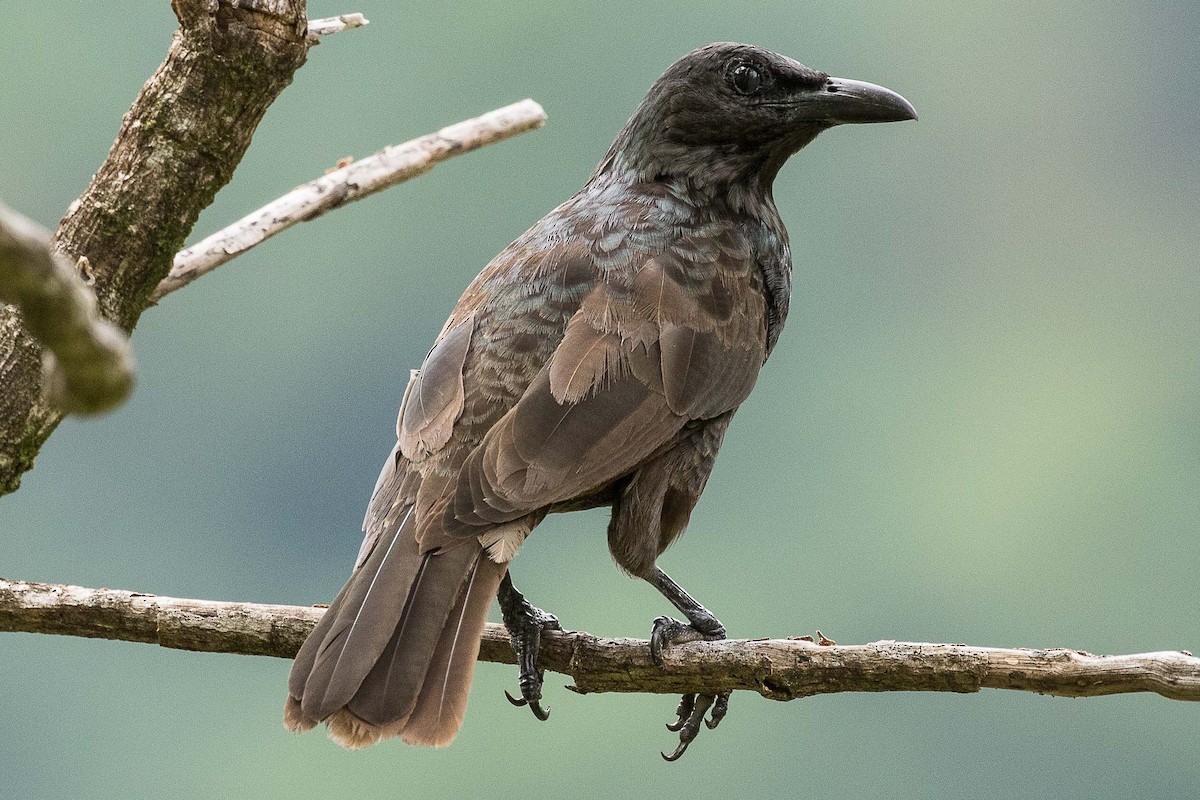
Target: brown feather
{"x":363,"y":622}
{"x":442,"y":702}
{"x":658,"y":498}
{"x":387,"y":693}
{"x":307,"y":655}
{"x":435,"y":398}
{"x":585,"y":361}
{"x":426,"y":607}
{"x":702,"y":377}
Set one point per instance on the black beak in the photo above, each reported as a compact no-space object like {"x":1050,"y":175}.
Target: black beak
{"x":843,"y":101}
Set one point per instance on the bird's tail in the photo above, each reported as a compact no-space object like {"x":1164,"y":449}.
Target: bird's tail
{"x":395,"y":652}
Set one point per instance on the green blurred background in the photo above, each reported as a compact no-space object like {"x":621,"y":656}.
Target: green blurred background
{"x":980,"y":425}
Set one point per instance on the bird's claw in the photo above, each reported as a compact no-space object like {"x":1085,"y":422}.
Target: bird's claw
{"x":719,"y":710}
{"x":534,"y":705}
{"x":692,"y":707}
{"x":525,"y":624}
{"x":686,"y":704}
{"x":531,"y":688}
{"x":667,"y":631}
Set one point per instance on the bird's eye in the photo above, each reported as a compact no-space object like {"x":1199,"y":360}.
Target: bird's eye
{"x":745,"y":78}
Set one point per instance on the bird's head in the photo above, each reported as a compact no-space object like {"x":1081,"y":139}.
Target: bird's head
{"x":733,"y":112}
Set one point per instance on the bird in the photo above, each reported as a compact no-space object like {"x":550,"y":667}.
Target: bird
{"x":596,"y":361}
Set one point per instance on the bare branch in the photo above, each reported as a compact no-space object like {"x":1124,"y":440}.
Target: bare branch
{"x":781,"y":669}
{"x":328,"y":25}
{"x":354,"y":181}
{"x":88,"y":367}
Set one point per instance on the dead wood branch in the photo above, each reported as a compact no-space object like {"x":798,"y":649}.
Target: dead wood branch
{"x":781,"y":669}
{"x":346,"y":184}
{"x":328,"y":25}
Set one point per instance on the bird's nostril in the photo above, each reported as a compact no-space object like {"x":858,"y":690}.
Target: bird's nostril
{"x":831,"y":88}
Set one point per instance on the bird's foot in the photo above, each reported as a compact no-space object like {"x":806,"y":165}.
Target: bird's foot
{"x":692,"y":707}
{"x":691,"y":711}
{"x":525,"y":624}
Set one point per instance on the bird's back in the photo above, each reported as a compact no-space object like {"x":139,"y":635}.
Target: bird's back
{"x":587,"y":298}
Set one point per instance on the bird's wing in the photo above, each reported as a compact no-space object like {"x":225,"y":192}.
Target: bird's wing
{"x":513,"y":411}
{"x":432,"y":403}
{"x":681,"y":337}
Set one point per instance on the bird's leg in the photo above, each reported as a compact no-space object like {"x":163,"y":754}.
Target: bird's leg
{"x":702,"y":625}
{"x":525,"y":624}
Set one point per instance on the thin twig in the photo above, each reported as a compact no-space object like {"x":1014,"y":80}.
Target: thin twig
{"x":782,"y":669}
{"x":87,"y":365}
{"x":328,"y":25}
{"x":346,"y":184}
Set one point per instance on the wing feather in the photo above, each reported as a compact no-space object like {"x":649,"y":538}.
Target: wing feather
{"x":436,"y":394}
{"x":679,"y":337}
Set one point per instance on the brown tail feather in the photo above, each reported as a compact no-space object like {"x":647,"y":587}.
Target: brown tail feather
{"x":440,"y":707}
{"x":365,"y":620}
{"x":389,"y":691}
{"x":307,"y":655}
{"x":367,"y":667}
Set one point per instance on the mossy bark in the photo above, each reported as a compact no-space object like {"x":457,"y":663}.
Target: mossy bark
{"x":178,"y":145}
